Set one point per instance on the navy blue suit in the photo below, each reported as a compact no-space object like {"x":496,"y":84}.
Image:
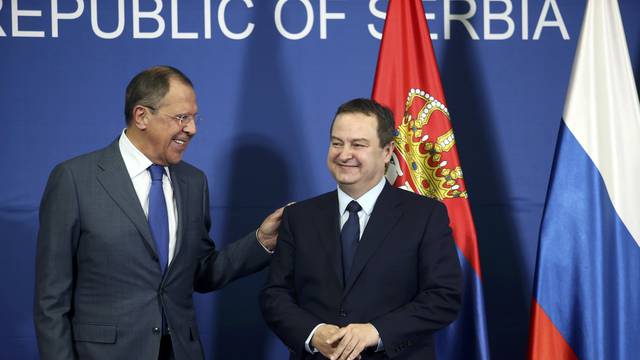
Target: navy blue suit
{"x":405,"y":277}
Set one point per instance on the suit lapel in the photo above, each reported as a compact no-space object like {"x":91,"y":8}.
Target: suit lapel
{"x":327,"y":226}
{"x":180,"y":193}
{"x":384,"y":217}
{"x":115,"y":180}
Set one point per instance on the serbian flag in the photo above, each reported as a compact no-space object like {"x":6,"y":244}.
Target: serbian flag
{"x":425,"y":160}
{"x":587,"y":289}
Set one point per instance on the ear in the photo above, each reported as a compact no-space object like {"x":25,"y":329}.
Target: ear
{"x":387,"y":151}
{"x":140,"y":117}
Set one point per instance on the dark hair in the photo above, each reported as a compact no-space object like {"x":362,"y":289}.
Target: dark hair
{"x":384,"y":115}
{"x":149,"y":87}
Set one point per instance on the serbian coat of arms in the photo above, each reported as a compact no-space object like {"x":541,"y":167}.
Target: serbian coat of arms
{"x":425,"y":158}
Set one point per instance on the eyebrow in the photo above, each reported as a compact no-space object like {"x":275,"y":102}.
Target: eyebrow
{"x":352,"y":140}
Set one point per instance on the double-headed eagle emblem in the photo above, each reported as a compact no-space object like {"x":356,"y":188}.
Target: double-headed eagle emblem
{"x":425,"y":159}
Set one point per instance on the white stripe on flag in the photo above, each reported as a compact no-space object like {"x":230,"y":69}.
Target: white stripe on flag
{"x":603,"y":111}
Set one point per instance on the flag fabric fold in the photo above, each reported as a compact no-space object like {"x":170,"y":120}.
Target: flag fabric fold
{"x":587,"y":283}
{"x":425,"y":160}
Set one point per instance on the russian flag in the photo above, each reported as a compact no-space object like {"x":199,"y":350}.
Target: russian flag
{"x":587,"y":289}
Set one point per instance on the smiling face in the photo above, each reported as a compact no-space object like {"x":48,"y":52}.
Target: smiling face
{"x":355,"y":158}
{"x":156,"y":133}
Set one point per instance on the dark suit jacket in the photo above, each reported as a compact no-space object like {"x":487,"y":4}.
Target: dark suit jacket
{"x":405,"y":280}
{"x":99,"y":288}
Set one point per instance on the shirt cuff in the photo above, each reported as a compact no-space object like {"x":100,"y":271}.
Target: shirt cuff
{"x":380,"y":346}
{"x":258,"y":240}
{"x":307,"y":343}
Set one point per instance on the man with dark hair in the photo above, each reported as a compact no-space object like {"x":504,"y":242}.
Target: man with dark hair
{"x":124,"y":237}
{"x":367,"y":271}
{"x":382,"y":115}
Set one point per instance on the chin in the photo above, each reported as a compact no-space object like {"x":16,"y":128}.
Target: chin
{"x":345,"y":180}
{"x":349,"y":177}
{"x":174,"y":160}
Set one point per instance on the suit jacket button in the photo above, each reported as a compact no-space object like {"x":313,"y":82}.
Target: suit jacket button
{"x":342,"y":313}
{"x":156,"y":330}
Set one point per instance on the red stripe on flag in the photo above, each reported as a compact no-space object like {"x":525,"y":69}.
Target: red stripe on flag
{"x":545,"y":341}
{"x":464,"y":232}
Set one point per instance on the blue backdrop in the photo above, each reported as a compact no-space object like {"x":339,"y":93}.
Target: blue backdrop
{"x":269,"y":75}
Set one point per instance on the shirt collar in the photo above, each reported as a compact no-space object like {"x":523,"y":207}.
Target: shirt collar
{"x":366,"y":201}
{"x":134,"y":160}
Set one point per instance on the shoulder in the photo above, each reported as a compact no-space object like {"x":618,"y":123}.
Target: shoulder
{"x":410,"y":197}
{"x":321,"y":202}
{"x":82,"y":163}
{"x":415,"y":202}
{"x":81,"y":169}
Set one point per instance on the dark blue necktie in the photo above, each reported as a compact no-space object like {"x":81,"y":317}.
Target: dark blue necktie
{"x":349,"y":237}
{"x":158,"y":220}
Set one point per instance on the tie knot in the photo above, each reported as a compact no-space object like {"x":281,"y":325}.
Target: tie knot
{"x":156,"y":172}
{"x":353,"y":207}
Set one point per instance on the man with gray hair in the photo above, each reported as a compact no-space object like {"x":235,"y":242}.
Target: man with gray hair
{"x":124,"y":237}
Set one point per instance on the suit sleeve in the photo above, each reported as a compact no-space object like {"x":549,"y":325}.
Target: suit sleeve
{"x":57,"y":240}
{"x":438,"y":302}
{"x":278,"y":301}
{"x":240,"y":258}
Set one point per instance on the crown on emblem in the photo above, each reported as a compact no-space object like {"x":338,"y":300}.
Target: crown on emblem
{"x":424,"y":141}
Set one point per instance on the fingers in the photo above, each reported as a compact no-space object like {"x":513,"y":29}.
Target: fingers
{"x":337,"y":336}
{"x":320,"y":339}
{"x":347,"y":343}
{"x":353,"y":347}
{"x":276,"y":215}
{"x":344,"y":348}
{"x":269,"y":226}
{"x":273,"y":220}
{"x":355,"y":338}
{"x":281,"y":209}
{"x":355,"y":353}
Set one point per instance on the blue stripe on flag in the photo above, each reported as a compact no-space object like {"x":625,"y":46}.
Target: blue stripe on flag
{"x":589,"y":264}
{"x":466,"y":338}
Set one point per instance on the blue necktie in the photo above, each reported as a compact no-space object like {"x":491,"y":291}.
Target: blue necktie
{"x":349,"y":237}
{"x":158,"y":220}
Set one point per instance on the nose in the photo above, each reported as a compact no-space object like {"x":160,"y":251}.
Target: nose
{"x":190,"y":128}
{"x":346,"y":153}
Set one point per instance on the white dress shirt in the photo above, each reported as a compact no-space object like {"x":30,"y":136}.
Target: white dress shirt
{"x":367,"y":202}
{"x":137,"y":165}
